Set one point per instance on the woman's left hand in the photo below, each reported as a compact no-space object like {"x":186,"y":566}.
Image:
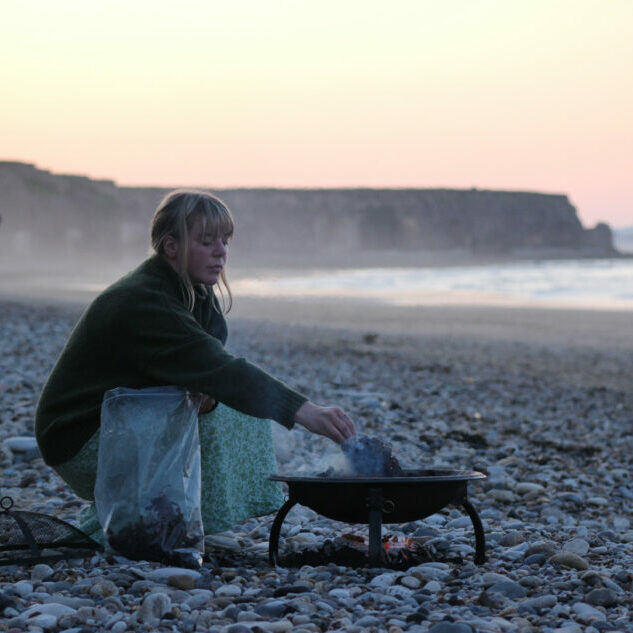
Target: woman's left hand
{"x":329,"y":421}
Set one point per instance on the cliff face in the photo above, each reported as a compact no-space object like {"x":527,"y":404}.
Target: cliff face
{"x":43,"y":213}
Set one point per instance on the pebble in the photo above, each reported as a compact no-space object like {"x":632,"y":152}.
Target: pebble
{"x":528,"y":488}
{"x":274,"y":608}
{"x":539,"y":603}
{"x":44,"y":622}
{"x":41,"y":572}
{"x":154,"y":607}
{"x":559,"y":557}
{"x":384,"y":580}
{"x":451,"y":627}
{"x":165,"y":574}
{"x":411,"y":582}
{"x":21,"y":444}
{"x":512,"y":538}
{"x":104,"y":588}
{"x":509,"y":589}
{"x":602,"y":597}
{"x":569,"y":560}
{"x":577,"y":546}
{"x":587,"y":614}
{"x":52,"y":608}
{"x":228,"y":591}
{"x":433,"y":586}
{"x":23,"y":588}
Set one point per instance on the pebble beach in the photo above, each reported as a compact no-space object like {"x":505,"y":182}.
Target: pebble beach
{"x":548,"y":419}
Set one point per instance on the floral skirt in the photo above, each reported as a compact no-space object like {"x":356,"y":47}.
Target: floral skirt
{"x":236,"y":457}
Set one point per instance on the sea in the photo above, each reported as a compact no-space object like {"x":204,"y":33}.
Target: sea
{"x":598,"y":284}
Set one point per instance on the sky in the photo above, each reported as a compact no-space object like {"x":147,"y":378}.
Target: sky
{"x":525,"y":95}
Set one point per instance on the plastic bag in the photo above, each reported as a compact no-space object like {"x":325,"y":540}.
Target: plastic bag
{"x":147,"y":492}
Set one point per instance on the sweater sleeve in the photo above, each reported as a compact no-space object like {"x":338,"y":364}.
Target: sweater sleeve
{"x":166,"y":343}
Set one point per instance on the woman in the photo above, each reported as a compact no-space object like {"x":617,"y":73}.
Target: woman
{"x":162,"y":324}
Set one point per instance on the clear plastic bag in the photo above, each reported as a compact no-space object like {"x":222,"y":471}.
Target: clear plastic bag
{"x":147,"y":493}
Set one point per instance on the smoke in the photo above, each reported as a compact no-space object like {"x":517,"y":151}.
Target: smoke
{"x":371,"y":456}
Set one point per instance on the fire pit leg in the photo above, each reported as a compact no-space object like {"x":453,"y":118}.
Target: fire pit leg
{"x":275,"y":530}
{"x":374,"y":502}
{"x":480,"y":538}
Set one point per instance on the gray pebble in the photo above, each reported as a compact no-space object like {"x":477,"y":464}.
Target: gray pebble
{"x":41,"y":572}
{"x":154,"y":607}
{"x":587,"y":614}
{"x":451,"y":627}
{"x":601,"y":597}
{"x":509,"y":589}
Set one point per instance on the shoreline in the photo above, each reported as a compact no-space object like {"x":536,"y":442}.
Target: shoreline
{"x":551,"y":326}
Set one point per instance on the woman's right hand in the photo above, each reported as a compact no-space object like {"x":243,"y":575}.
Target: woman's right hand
{"x":331,"y":422}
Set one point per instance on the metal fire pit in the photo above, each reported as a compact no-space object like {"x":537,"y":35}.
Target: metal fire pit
{"x":378,"y":500}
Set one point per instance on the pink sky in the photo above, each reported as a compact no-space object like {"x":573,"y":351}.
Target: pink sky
{"x":488,"y":94}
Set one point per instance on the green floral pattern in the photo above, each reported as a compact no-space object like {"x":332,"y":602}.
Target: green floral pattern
{"x":237,"y":455}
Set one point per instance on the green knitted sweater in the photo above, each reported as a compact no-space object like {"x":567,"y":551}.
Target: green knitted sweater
{"x":138,"y":333}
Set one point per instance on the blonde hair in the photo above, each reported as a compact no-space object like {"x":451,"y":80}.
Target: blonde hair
{"x":175,"y":216}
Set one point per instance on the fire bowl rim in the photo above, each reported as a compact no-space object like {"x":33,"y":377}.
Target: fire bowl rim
{"x":446,"y":476}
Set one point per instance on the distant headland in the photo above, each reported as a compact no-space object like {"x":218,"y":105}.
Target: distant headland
{"x":55,"y":214}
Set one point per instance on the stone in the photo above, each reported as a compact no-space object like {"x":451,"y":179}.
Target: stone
{"x":163,"y":574}
{"x":411,"y":582}
{"x":154,"y":607}
{"x":104,"y":588}
{"x":186,"y":582}
{"x":509,"y":589}
{"x":451,"y":627}
{"x":23,"y":588}
{"x":222,"y":541}
{"x":510,"y":539}
{"x":587,"y":614}
{"x":237,"y":628}
{"x":285,"y":590}
{"x":41,"y":571}
{"x":272,"y":609}
{"x":228,"y":591}
{"x":527,"y":488}
{"x":44,"y":621}
{"x":539,"y":603}
{"x":490,"y":578}
{"x":541,"y":547}
{"x":577,"y":546}
{"x":384,"y":580}
{"x":429,"y":571}
{"x":569,"y":560}
{"x":502,"y":495}
{"x":602,"y":597}
{"x":201,"y":598}
{"x":279,"y":626}
{"x":21,"y":444}
{"x":52,"y":608}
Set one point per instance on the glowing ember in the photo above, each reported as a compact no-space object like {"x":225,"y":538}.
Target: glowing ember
{"x":394,"y":547}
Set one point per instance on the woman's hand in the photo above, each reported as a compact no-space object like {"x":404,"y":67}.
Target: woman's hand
{"x":329,"y":421}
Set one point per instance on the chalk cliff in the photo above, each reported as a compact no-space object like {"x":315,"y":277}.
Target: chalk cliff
{"x":45,"y":213}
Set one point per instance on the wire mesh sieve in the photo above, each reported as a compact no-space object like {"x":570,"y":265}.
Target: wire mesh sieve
{"x":30,"y":537}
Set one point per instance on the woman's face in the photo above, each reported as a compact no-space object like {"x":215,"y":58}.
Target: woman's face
{"x":207,"y":255}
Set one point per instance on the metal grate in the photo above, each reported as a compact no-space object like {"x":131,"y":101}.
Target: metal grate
{"x":28,"y":537}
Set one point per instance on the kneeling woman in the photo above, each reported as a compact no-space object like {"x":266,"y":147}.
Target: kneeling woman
{"x":162,"y":324}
